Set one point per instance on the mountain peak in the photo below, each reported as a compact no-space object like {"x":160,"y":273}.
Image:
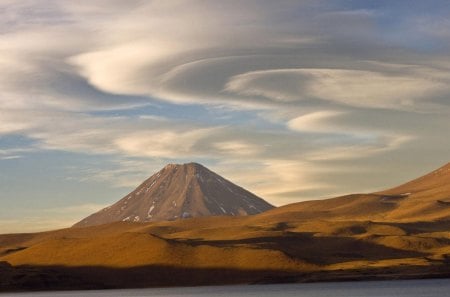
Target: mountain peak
{"x":191,"y":166}
{"x":180,"y":191}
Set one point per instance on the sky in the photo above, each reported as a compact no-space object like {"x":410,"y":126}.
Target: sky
{"x":293,"y":100}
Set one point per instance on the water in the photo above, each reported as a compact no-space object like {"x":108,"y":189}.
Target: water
{"x":408,"y":288}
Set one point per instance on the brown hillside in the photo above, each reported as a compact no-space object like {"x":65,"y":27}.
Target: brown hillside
{"x":423,"y":199}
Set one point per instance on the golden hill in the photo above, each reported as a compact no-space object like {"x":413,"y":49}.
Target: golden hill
{"x":424,"y":199}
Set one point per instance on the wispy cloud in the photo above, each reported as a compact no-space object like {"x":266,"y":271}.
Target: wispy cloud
{"x":13,"y":153}
{"x":319,"y":121}
{"x":351,"y":152}
{"x":359,"y":88}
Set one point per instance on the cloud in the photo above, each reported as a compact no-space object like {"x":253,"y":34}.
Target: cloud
{"x":144,"y":137}
{"x":254,"y":65}
{"x":34,"y":72}
{"x":237,"y":148}
{"x":362,"y":142}
{"x":10,"y":123}
{"x":130,"y":68}
{"x":383,"y":144}
{"x":232,"y":57}
{"x":344,"y":86}
{"x":12,"y":157}
{"x":273,"y":178}
{"x":319,"y":121}
{"x":13,"y":153}
{"x":166,"y":144}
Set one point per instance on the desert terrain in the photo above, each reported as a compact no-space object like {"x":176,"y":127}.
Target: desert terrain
{"x":402,"y":232}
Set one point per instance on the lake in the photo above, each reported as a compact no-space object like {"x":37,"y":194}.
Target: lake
{"x":407,"y":288}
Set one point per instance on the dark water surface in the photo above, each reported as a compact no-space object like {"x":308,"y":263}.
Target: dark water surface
{"x":406,"y":288}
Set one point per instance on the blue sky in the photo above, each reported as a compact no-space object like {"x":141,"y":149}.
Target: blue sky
{"x":293,"y":100}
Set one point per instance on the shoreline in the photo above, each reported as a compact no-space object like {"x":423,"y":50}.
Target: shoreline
{"x":35,"y":279}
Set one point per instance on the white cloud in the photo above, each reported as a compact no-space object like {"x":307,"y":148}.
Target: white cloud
{"x":166,"y":144}
{"x":11,"y":157}
{"x":153,"y":137}
{"x":129,"y":68}
{"x":382,"y":144}
{"x":371,"y":89}
{"x":319,"y":121}
{"x":230,"y":57}
{"x":364,"y":142}
{"x":359,"y":88}
{"x":274,"y":178}
{"x":237,"y":148}
{"x":12,"y":125}
{"x":13,"y":153}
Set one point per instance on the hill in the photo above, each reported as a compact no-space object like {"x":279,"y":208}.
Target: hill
{"x":424,"y":199}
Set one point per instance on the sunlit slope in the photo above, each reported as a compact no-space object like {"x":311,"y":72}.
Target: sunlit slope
{"x":129,"y":245}
{"x":423,"y":199}
{"x":426,"y":198}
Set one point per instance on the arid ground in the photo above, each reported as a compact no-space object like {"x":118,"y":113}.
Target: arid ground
{"x":399,"y":233}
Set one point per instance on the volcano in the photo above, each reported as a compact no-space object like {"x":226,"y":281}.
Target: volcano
{"x":180,"y":191}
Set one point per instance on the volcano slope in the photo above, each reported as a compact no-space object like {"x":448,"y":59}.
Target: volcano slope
{"x":398,"y":233}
